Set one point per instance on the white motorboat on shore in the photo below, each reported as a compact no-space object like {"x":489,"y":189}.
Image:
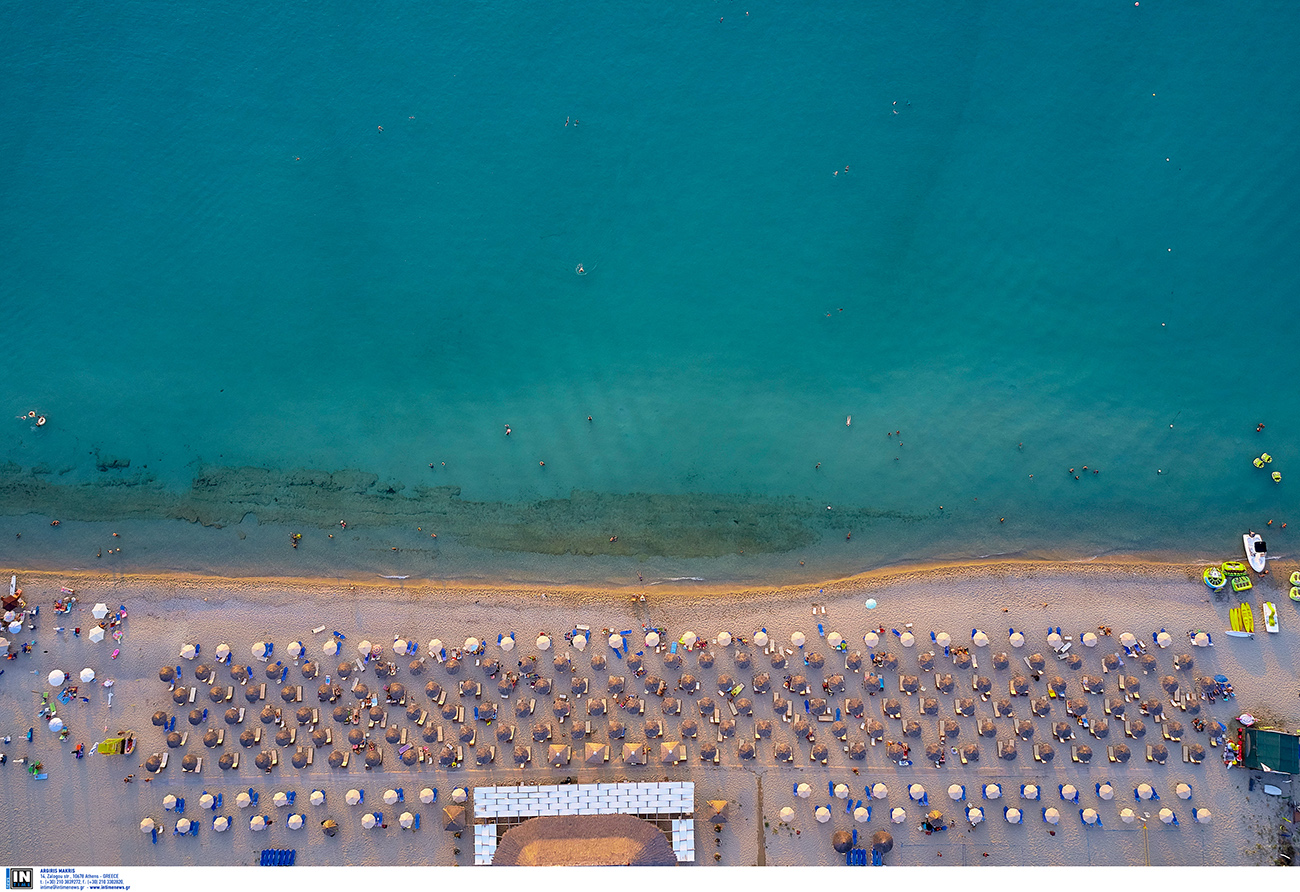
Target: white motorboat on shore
{"x":1255,"y":551}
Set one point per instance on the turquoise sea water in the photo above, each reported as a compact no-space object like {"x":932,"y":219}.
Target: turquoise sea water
{"x":1029,"y":238}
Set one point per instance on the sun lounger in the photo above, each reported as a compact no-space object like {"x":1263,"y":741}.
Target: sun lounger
{"x":962,"y":756}
{"x":532,"y":704}
{"x":185,"y":737}
{"x":440,"y":734}
{"x":221,"y":736}
{"x":261,"y":694}
{"x":257,"y":734}
{"x":424,"y":715}
{"x":1074,"y":753}
{"x":403,"y":740}
{"x":1037,"y":757}
{"x":230,"y":694}
{"x":347,"y":756}
{"x":308,"y":754}
{"x":164,"y":762}
{"x":732,"y":706}
{"x":460,"y":714}
{"x":460,"y":754}
{"x":194,"y":692}
{"x":1150,"y":756}
{"x":442,"y":697}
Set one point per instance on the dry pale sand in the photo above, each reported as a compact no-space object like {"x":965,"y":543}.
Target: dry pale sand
{"x":85,"y":814}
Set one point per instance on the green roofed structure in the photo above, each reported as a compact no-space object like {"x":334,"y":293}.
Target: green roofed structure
{"x":1265,"y":750}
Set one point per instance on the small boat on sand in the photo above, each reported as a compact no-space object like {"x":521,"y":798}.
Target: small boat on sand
{"x":1255,"y":550}
{"x":1270,"y":616}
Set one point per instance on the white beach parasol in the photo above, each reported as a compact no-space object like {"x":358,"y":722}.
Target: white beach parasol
{"x":1164,"y":639}
{"x":787,"y":814}
{"x":841,"y":791}
{"x":1017,"y":639}
{"x":435,"y":647}
{"x":426,"y":795}
{"x":1089,"y":816}
{"x":861,"y":815}
{"x":508,"y":643}
{"x":257,"y":823}
{"x":331,"y":647}
{"x":459,"y":795}
{"x":580,"y":642}
{"x":898,"y":815}
{"x":823,"y":814}
{"x":871,"y":639}
{"x":916,"y":791}
{"x":390,"y":797}
{"x":56,"y":678}
{"x":1127,"y":639}
{"x":183,"y":826}
{"x":543,"y":642}
{"x":835,"y":639}
{"x":979,"y":639}
{"x":406,"y":820}
{"x":1203,"y":816}
{"x":1166,"y":816}
{"x":243,"y":800}
{"x":615,"y":641}
{"x":471,"y":644}
{"x":975,"y":814}
{"x":56,"y":724}
{"x":15,"y":627}
{"x":689,"y":638}
{"x":1183,"y":791}
{"x":803,"y":791}
{"x":317,"y":797}
{"x":169,"y":802}
{"x":797,"y":639}
{"x":652,"y":639}
{"x":760,"y":639}
{"x":294,"y":822}
{"x":208,"y":801}
{"x":281,"y":799}
{"x":223,"y":651}
{"x":724,"y":639}
{"x":992,"y":791}
{"x":1052,"y":816}
{"x":1089,"y":639}
{"x":147,"y":825}
{"x":907,"y":639}
{"x":1069,"y":791}
{"x":1106,"y":792}
{"x":189,"y":652}
{"x":221,"y":823}
{"x":870,"y":604}
{"x":1013,"y":816}
{"x":352,"y":797}
{"x":1030,"y":791}
{"x":1054,"y":641}
{"x":1200,"y":639}
{"x":1144,"y":791}
{"x":956,"y":793}
{"x":943,"y":639}
{"x":259,"y":649}
{"x":100,"y":610}
{"x":364,"y":648}
{"x":399,"y":647}
{"x":87,"y":675}
{"x":96,"y":634}
{"x":879,"y":791}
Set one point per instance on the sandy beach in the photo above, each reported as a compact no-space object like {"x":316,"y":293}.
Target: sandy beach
{"x":84,"y":813}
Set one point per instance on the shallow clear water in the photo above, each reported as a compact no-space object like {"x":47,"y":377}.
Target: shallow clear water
{"x":1051,"y":235}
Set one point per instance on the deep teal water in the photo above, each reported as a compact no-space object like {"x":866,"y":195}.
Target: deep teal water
{"x":1052,"y":233}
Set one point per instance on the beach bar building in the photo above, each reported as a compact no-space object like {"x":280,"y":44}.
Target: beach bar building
{"x":1265,"y":750}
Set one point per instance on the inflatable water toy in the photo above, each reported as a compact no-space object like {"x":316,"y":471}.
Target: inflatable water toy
{"x":1255,"y":550}
{"x":1277,"y":477}
{"x":1295,"y":577}
{"x":1270,"y":616}
{"x":1241,"y":584}
{"x":1234,"y":568}
{"x":1267,"y":458}
{"x":1295,"y":593}
{"x":1214,"y":578}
